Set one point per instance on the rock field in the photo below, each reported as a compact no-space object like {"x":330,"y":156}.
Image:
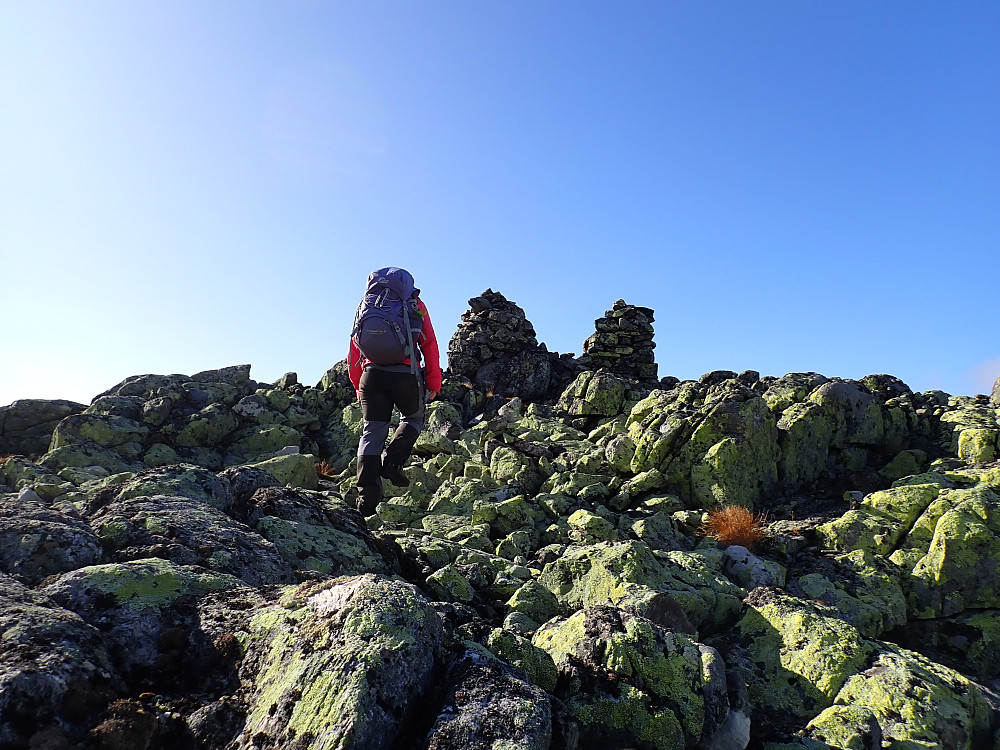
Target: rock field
{"x":182,"y":565}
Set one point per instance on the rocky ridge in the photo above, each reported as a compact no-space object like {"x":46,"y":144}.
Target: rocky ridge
{"x":181,"y":564}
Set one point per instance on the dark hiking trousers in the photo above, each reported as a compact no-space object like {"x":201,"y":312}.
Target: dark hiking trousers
{"x":380,"y":389}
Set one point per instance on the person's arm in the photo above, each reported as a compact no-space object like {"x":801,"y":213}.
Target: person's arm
{"x":354,"y":359}
{"x":429,"y":347}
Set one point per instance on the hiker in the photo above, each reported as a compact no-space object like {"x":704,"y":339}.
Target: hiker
{"x":392,"y":332}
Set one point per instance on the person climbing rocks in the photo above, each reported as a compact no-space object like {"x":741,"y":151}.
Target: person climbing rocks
{"x":392,"y":333}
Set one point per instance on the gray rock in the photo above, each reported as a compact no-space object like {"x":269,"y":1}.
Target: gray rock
{"x":345,"y":662}
{"x":749,"y":571}
{"x":187,"y":532}
{"x":129,"y":602}
{"x":37,"y":540}
{"x":26,"y":425}
{"x":488,"y":705}
{"x":179,"y":480}
{"x":53,"y":667}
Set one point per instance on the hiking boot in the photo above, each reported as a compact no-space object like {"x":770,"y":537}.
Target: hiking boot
{"x":395,"y":474}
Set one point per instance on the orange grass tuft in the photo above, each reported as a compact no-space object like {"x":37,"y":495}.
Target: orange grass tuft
{"x":735,"y":524}
{"x":325,"y":469}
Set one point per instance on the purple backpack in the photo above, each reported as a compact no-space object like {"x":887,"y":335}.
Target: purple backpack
{"x":387,"y":323}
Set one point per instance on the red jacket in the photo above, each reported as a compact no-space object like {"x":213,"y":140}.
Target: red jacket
{"x":427,"y":346}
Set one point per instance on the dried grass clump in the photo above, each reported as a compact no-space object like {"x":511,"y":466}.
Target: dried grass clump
{"x":735,"y":524}
{"x":325,"y":469}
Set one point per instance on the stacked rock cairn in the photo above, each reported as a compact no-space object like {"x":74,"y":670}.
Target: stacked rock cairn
{"x":623,"y":343}
{"x":492,"y":328}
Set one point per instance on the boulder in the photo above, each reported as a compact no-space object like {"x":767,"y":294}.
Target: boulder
{"x":128,"y":601}
{"x":489,"y":706}
{"x":54,"y":670}
{"x":104,"y":430}
{"x":794,"y":656}
{"x":960,"y":569}
{"x":628,"y":575}
{"x":26,"y":425}
{"x":342,"y":663}
{"x":187,"y":532}
{"x":38,"y":540}
{"x":628,"y":682}
{"x":179,"y":480}
{"x":597,"y":393}
{"x":918,"y":701}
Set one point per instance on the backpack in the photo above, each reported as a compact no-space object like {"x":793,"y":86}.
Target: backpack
{"x":387,"y":322}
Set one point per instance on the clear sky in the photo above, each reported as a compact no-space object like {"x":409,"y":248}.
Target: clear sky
{"x":792,"y":186}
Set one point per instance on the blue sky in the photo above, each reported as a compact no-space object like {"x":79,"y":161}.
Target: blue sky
{"x":792,"y":186}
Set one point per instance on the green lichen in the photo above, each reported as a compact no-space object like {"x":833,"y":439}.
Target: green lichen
{"x":799,"y":657}
{"x":519,"y":652}
{"x":323,"y":549}
{"x":296,"y":470}
{"x":341,"y":668}
{"x":152,"y":584}
{"x":917,"y":700}
{"x":960,"y":569}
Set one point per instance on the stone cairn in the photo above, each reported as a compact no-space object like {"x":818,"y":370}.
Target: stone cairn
{"x":493,"y":328}
{"x":623,"y":343}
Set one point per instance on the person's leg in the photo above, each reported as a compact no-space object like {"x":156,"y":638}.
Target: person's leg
{"x":376,"y":409}
{"x":408,"y":395}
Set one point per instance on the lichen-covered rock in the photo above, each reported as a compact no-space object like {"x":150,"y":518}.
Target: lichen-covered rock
{"x":794,"y":656}
{"x":594,"y":394}
{"x":293,"y":470}
{"x":628,"y":575}
{"x":127,"y":601}
{"x":105,"y":430}
{"x":847,"y":727}
{"x":864,"y":589}
{"x":714,"y":445}
{"x":488,"y":707}
{"x":179,"y":480}
{"x":54,"y":670}
{"x":26,"y":425}
{"x":881,"y":521}
{"x":960,"y":569}
{"x":805,"y":431}
{"x":187,"y":532}
{"x":508,"y":466}
{"x":448,"y":584}
{"x":342,"y":663}
{"x":39,"y":540}
{"x":920,"y":702}
{"x":83,"y":455}
{"x":261,"y":442}
{"x":793,"y":388}
{"x":535,"y":601}
{"x":340,"y":434}
{"x":968,"y":643}
{"x":971,"y":430}
{"x":627,"y":681}
{"x":519,"y":652}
